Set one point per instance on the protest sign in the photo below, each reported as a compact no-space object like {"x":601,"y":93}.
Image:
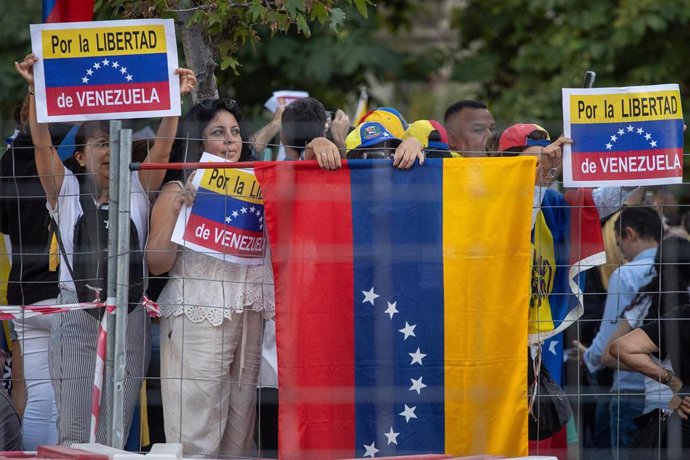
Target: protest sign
{"x":104,"y":70}
{"x":226,"y":220}
{"x":623,"y":136}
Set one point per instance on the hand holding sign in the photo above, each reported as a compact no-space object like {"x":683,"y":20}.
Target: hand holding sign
{"x":26,"y":69}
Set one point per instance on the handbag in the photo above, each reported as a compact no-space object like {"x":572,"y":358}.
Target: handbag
{"x":549,"y":408}
{"x":651,"y":436}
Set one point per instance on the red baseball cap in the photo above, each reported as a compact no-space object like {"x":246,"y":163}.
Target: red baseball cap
{"x":518,"y":136}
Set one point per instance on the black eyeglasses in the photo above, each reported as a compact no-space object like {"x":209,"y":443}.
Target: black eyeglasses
{"x":372,"y":154}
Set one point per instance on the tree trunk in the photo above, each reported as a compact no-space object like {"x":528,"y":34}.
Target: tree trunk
{"x":198,"y":55}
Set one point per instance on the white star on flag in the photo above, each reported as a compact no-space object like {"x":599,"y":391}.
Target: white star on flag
{"x":252,"y":209}
{"x":106,"y":62}
{"x":621,"y":132}
{"x":89,"y":72}
{"x":228,"y":219}
{"x":408,"y":413}
{"x":85,"y":80}
{"x":653,"y":143}
{"x":417,"y":357}
{"x":552,"y":347}
{"x":123,"y":70}
{"x":96,"y":65}
{"x":640,"y":130}
{"x":609,"y":146}
{"x":370,"y":296}
{"x":614,"y":138}
{"x":116,"y":65}
{"x":392,"y":437}
{"x":631,"y":128}
{"x":407,"y":330}
{"x":370,"y":450}
{"x":235,"y":214}
{"x":243,"y":210}
{"x":417,"y":385}
{"x":128,"y":77}
{"x":647,"y":136}
{"x":391,"y":310}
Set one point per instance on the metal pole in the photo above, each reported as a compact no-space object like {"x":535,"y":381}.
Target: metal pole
{"x":122,"y":291}
{"x":113,"y":186}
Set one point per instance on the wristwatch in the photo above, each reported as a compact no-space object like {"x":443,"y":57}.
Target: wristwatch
{"x":667,"y":376}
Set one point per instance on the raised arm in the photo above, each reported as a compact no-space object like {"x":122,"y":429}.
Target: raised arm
{"x":151,"y":180}
{"x":50,"y":169}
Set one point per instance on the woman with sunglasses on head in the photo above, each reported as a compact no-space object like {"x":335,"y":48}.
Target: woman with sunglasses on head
{"x":212,"y":310}
{"x":85,"y":177}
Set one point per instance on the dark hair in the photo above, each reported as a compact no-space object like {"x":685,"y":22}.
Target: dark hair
{"x":188,"y":145}
{"x":643,"y":219}
{"x":86,"y":131}
{"x":537,"y":134}
{"x":459,"y":106}
{"x":303,"y":121}
{"x":669,"y":286}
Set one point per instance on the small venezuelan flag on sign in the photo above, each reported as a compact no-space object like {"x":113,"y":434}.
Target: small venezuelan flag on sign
{"x":401,"y":306}
{"x":101,"y":70}
{"x":623,"y":136}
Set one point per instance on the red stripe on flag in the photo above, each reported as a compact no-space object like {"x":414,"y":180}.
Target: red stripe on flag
{"x":71,"y":11}
{"x":223,"y":238}
{"x":639,"y":164}
{"x":323,"y":425}
{"x":71,"y":100}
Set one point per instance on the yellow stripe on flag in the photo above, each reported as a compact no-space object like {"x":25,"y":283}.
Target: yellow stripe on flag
{"x":103,"y":41}
{"x":625,"y":107}
{"x":486,"y":231}
{"x":233,"y":182}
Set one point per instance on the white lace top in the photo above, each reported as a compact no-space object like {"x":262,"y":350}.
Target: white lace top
{"x":208,"y":289}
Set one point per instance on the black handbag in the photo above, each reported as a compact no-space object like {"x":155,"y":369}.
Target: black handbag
{"x":651,"y":436}
{"x":549,"y":408}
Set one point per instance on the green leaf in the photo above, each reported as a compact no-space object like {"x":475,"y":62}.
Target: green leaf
{"x":256,"y":11}
{"x":361,"y":6}
{"x":292,"y":6}
{"x":303,"y":26}
{"x":319,"y":13}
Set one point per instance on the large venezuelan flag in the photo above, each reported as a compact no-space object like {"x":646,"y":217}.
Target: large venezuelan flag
{"x":402,"y":302}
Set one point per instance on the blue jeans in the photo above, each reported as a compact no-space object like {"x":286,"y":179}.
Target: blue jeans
{"x":624,"y":409}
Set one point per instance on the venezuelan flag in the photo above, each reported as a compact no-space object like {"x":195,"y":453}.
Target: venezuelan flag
{"x":67,"y":10}
{"x":402,"y":303}
{"x":108,"y":67}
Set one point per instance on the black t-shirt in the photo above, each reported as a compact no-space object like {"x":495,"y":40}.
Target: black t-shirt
{"x":24,"y":217}
{"x":671,"y":333}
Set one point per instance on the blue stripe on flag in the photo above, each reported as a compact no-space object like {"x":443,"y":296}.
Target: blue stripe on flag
{"x":596,"y":137}
{"x":218,"y":208}
{"x":106,"y":70}
{"x":397,"y":239}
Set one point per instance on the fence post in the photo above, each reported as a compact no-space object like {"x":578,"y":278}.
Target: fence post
{"x":122,"y":288}
{"x":113,"y":206}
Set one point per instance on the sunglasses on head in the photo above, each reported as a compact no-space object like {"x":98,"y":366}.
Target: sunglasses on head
{"x":222,"y":103}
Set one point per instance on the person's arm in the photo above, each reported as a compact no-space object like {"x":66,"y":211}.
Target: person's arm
{"x":262,"y":137}
{"x":610,"y":360}
{"x":151,"y":180}
{"x":339,"y":130}
{"x":19,"y":396}
{"x":160,"y":251}
{"x":619,"y":295}
{"x":48,"y":163}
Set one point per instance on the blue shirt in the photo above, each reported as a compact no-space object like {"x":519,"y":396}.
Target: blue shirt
{"x":624,"y":283}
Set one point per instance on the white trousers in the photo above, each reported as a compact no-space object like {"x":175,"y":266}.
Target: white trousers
{"x":40,"y":414}
{"x":208,"y":383}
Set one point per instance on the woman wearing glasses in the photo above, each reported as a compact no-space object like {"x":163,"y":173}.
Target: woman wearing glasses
{"x":84,"y":178}
{"x":212,"y":310}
